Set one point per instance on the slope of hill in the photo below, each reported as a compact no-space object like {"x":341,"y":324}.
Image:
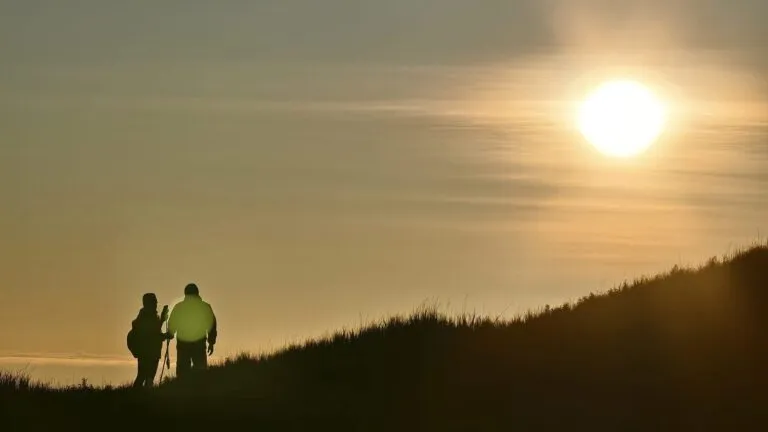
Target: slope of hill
{"x":686,"y":350}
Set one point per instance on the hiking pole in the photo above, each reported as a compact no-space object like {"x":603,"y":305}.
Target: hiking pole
{"x":166,"y":362}
{"x":167,"y":359}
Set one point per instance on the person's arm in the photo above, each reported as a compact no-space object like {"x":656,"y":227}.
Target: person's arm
{"x":212,"y":332}
{"x":173,"y":322}
{"x":163,"y":318}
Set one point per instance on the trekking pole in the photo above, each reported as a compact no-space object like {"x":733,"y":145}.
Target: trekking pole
{"x":167,"y":359}
{"x":166,"y":362}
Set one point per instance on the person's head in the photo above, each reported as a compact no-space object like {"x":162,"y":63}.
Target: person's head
{"x":191,"y":289}
{"x":149,"y":300}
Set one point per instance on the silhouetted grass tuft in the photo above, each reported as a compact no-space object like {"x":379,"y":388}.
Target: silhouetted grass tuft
{"x":684,"y":350}
{"x":14,"y":382}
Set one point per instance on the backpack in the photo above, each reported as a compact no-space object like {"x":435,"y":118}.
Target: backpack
{"x":132,"y":340}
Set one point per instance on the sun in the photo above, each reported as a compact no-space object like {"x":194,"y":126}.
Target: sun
{"x":622,"y":118}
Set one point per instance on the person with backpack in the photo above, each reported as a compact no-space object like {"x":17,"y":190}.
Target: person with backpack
{"x":145,"y":340}
{"x":193,"y":323}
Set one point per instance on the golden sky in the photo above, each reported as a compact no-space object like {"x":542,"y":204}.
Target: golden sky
{"x":313,"y":165}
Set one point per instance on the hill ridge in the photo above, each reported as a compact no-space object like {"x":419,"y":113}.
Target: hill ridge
{"x":687,"y":348}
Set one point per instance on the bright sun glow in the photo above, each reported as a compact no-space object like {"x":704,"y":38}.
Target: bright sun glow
{"x":622,"y":118}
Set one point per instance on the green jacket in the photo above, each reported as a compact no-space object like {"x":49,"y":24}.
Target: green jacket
{"x":193,"y":320}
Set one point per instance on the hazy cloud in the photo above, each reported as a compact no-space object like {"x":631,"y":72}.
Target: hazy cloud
{"x":81,"y":359}
{"x":421,"y":31}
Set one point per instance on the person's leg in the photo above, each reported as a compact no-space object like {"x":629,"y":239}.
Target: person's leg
{"x":183,"y":359}
{"x":199,"y":357}
{"x":139,"y":381}
{"x":151,"y":370}
{"x":145,"y":373}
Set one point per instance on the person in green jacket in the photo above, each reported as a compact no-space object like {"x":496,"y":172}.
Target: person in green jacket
{"x":193,"y":323}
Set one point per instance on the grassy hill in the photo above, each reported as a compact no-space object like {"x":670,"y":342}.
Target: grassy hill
{"x":686,"y":350}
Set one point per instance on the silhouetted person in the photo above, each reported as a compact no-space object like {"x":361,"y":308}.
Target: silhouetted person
{"x":194,"y":324}
{"x":149,"y":338}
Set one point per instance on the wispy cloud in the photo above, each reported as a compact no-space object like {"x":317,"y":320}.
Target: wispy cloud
{"x":65,"y":359}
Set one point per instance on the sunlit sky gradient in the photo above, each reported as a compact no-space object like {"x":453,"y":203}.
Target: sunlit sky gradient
{"x":318,"y":164}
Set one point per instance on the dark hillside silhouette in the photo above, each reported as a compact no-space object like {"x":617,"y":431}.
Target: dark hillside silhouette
{"x":687,"y":350}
